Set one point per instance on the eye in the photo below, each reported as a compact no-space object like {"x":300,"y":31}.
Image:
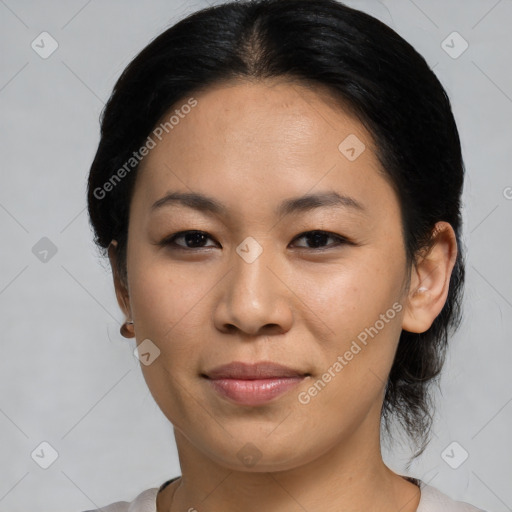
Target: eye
{"x":193,"y":239}
{"x":317,"y":238}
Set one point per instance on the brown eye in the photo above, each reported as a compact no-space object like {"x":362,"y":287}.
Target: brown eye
{"x":318,"y":239}
{"x":192,"y":240}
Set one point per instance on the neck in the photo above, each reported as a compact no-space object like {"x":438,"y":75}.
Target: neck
{"x":349,"y":476}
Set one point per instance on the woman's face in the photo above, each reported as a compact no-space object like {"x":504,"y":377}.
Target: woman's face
{"x":256,"y":286}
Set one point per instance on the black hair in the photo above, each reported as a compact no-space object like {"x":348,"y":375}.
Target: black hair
{"x":372,"y":70}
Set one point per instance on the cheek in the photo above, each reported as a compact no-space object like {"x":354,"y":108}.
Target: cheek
{"x":354,"y":295}
{"x":172,"y":307}
{"x":165,"y":295}
{"x":168,"y":311}
{"x":361,"y":306}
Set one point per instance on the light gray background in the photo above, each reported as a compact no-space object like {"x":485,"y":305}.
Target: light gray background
{"x":67,"y":377}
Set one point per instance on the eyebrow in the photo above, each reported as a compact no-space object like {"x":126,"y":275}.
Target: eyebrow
{"x":299,"y":204}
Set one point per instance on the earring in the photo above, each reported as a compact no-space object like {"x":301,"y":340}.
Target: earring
{"x":421,"y":289}
{"x":125,"y":331}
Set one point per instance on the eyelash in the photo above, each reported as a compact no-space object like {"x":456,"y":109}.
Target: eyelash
{"x":170,"y":240}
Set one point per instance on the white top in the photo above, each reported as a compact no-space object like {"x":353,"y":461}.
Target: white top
{"x":431,"y":500}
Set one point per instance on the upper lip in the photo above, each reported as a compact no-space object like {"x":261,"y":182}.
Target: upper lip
{"x":260,"y":370}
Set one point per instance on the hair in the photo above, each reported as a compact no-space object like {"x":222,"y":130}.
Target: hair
{"x":371,"y":69}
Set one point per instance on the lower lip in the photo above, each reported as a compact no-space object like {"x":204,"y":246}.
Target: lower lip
{"x":254,"y":392}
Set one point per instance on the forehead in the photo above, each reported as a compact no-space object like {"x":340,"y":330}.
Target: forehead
{"x":253,"y":113}
{"x":265,"y":139}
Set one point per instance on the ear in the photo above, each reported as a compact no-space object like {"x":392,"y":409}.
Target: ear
{"x":123,"y":298}
{"x":430,"y":280}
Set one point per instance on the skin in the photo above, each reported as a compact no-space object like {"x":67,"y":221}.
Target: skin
{"x":251,"y":145}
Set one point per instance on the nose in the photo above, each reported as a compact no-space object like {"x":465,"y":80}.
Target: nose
{"x":254,"y":298}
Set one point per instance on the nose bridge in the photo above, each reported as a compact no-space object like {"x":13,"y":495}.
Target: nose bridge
{"x":251,"y":274}
{"x":254,"y":296}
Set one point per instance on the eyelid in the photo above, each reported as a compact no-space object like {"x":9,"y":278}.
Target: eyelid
{"x":170,"y":239}
{"x":339,"y":240}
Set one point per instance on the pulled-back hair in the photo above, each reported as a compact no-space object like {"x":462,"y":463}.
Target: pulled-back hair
{"x":361,"y":61}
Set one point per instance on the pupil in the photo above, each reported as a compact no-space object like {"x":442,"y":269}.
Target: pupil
{"x":196,"y":238}
{"x":318,"y":238}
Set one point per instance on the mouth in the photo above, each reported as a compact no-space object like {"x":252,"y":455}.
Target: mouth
{"x":253,"y":384}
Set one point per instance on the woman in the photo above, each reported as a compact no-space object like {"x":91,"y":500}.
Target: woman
{"x":278,"y":188}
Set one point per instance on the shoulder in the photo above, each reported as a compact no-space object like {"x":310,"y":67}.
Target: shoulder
{"x":433,"y":500}
{"x":144,"y":502}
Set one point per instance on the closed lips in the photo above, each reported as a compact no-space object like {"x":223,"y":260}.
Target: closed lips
{"x":253,"y":371}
